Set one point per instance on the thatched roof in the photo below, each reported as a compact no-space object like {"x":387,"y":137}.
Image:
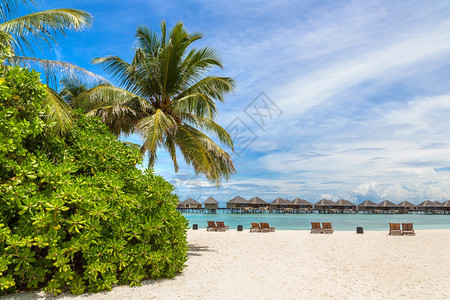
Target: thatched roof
{"x":238,"y":200}
{"x":256,"y":200}
{"x":325,"y":202}
{"x":429,"y":203}
{"x":343,"y":202}
{"x":298,"y":201}
{"x":210,"y":200}
{"x":386,"y":203}
{"x":405,"y":204}
{"x":280,"y":201}
{"x":190,"y":201}
{"x":367,"y":203}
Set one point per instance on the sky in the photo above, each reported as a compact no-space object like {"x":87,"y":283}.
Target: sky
{"x":334,"y":99}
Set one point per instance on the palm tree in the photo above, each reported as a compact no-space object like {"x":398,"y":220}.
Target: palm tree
{"x":21,"y":34}
{"x":167,"y":99}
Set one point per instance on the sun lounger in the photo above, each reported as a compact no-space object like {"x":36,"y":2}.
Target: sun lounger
{"x":394,"y":229}
{"x":222,"y":225}
{"x":255,"y":227}
{"x":212,"y":227}
{"x":326,"y":228}
{"x":315,"y":227}
{"x":407,"y":229}
{"x":266,"y":228}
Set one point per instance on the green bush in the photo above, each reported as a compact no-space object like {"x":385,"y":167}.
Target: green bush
{"x":75,"y":212}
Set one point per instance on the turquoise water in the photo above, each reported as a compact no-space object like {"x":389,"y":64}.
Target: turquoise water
{"x":345,"y":222}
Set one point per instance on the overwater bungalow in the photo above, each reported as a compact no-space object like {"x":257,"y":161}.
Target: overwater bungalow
{"x":367,"y":206}
{"x":181,"y":204}
{"x":191,"y":203}
{"x":325,"y":206}
{"x":429,"y":206}
{"x":446,"y":207}
{"x":279,"y":204}
{"x":345,"y":206}
{"x":302,"y":205}
{"x":406,"y":207}
{"x":258,"y":203}
{"x":237,"y":203}
{"x":439,"y":209}
{"x":211,"y":204}
{"x":387,"y":207}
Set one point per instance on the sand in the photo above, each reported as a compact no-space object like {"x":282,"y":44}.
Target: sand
{"x":300,"y":265}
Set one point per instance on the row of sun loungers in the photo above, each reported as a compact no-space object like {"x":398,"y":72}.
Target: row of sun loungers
{"x":264,"y":227}
{"x":256,"y":227}
{"x":407,"y":229}
{"x":394,"y":228}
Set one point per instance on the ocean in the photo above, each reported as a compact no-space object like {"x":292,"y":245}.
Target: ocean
{"x":344,"y":222}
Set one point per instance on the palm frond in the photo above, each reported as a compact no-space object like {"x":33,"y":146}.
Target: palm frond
{"x":5,"y":42}
{"x":8,"y":8}
{"x":171,"y":148}
{"x":120,"y":69}
{"x":71,"y":88}
{"x":214,"y":87}
{"x":44,"y":26}
{"x":119,"y":109}
{"x":147,"y":41}
{"x":120,"y":119}
{"x":198,"y":104}
{"x":60,"y":111}
{"x":53,"y":69}
{"x":153,"y":129}
{"x":207,"y":124}
{"x":203,"y":154}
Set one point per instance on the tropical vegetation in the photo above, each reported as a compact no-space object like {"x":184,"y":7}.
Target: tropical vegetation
{"x":22,"y":35}
{"x":168,"y":98}
{"x":75,"y":212}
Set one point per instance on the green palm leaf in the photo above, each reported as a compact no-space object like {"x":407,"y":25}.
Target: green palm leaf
{"x":60,"y":111}
{"x":153,"y":128}
{"x":8,"y":8}
{"x":209,"y":125}
{"x":44,"y":26}
{"x":118,"y":108}
{"x":203,"y":154}
{"x":55,"y":69}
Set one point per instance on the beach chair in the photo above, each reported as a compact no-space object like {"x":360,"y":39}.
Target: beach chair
{"x":266,"y":228}
{"x":222,"y":225}
{"x":315,"y":227}
{"x":211,"y":226}
{"x":326,"y":228}
{"x":394,"y":229}
{"x":407,"y":229}
{"x":255,"y":227}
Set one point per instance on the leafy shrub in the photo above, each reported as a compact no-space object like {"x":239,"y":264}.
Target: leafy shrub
{"x":75,"y":212}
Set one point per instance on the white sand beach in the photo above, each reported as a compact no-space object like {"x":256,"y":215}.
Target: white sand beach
{"x":300,"y":265}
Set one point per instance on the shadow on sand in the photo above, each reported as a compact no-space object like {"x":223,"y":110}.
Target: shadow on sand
{"x":196,"y":250}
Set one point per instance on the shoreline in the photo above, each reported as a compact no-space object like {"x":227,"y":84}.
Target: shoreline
{"x":294,"y":264}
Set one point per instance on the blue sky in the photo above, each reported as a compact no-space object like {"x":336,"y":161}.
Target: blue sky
{"x":335,"y":99}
